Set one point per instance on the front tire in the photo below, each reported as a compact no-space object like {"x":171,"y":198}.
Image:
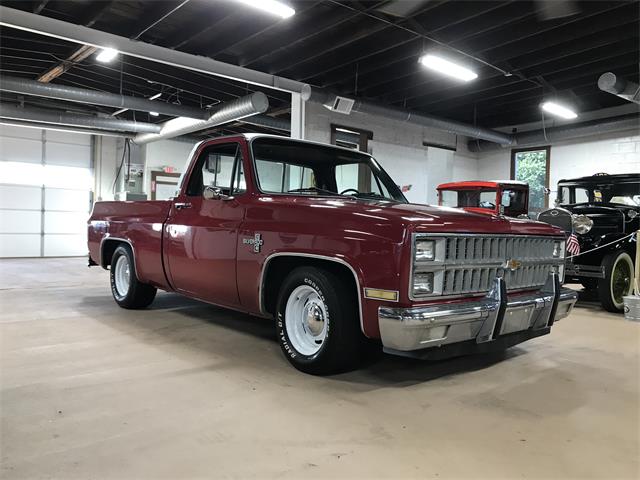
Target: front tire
{"x":317,"y":322}
{"x":617,"y":282}
{"x":127,"y":290}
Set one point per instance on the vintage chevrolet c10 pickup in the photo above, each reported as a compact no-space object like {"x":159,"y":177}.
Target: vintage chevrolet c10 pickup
{"x":322,"y":240}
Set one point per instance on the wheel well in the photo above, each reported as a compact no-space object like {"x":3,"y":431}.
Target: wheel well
{"x":108,"y":247}
{"x":279,"y":267}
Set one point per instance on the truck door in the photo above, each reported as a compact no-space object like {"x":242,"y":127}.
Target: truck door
{"x":201,"y":233}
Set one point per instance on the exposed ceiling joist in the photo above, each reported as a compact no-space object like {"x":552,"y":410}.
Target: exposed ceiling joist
{"x":76,"y":57}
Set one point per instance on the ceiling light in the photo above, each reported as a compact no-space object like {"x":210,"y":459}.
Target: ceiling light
{"x":559,"y":110}
{"x":106,"y":55}
{"x":446,"y":67}
{"x":154,"y":114}
{"x":156,"y":96}
{"x":271,"y":6}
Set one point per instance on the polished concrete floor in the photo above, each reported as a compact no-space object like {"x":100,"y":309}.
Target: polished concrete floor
{"x":187,"y":390}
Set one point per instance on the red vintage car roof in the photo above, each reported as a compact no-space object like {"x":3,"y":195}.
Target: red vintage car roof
{"x":479,"y":184}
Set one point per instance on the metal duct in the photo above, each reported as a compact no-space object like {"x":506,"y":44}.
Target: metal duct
{"x":93,"y":97}
{"x":566,"y":132}
{"x":237,"y":109}
{"x":611,"y":83}
{"x":63,"y":118}
{"x":64,"y":128}
{"x":52,"y":27}
{"x":400,"y":115}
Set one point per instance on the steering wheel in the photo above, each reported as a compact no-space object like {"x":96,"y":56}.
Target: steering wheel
{"x":349,"y":190}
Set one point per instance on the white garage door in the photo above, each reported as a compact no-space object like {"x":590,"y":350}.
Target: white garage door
{"x":45,"y":192}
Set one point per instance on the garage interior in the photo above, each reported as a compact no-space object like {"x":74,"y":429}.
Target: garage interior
{"x":105,"y":100}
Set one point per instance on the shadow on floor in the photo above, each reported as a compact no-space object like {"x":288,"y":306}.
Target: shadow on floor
{"x":159,"y":326}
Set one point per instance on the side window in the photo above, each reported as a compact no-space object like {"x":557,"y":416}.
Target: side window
{"x":217,"y":166}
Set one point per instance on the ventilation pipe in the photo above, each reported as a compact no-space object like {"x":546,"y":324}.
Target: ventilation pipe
{"x":62,"y":118}
{"x":82,"y":95}
{"x":64,"y":128}
{"x":347,"y":105}
{"x":231,"y":111}
{"x":559,"y":134}
{"x":611,"y":83}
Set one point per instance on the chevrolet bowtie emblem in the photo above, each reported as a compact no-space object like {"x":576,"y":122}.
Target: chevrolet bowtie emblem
{"x":513,"y":264}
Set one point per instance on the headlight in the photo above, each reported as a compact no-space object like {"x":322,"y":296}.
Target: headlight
{"x":423,"y":283}
{"x":582,"y":224}
{"x":425,"y":250}
{"x":558,"y":249}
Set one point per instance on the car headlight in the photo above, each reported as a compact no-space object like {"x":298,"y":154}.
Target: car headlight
{"x":582,"y":224}
{"x":423,"y":283}
{"x":558,"y":249}
{"x":425,"y":250}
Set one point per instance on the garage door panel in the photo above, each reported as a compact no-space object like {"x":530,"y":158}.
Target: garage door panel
{"x":65,"y":245}
{"x":24,"y":197}
{"x":65,"y":199}
{"x":65,"y":222}
{"x":21,"y":132}
{"x":20,"y":221}
{"x":20,"y":150}
{"x":67,"y":154}
{"x":20,"y":245}
{"x":68,"y":137}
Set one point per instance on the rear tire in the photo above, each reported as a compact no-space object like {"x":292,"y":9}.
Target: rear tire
{"x":617,"y":281}
{"x":317,"y":322}
{"x":127,"y":290}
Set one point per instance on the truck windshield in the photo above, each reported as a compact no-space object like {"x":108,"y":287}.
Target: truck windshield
{"x":298,"y":168}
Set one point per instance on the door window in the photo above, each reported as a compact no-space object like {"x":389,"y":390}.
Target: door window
{"x":218,"y":166}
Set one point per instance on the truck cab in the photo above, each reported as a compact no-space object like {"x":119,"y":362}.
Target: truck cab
{"x":497,"y":197}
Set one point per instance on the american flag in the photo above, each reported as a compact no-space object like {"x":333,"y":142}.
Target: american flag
{"x":573,"y":247}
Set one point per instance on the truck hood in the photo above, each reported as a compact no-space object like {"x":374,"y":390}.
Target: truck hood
{"x":417,"y":217}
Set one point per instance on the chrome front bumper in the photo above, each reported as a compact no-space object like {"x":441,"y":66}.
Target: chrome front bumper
{"x":494,"y":317}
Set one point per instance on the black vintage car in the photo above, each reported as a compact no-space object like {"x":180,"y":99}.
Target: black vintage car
{"x":602,"y":210}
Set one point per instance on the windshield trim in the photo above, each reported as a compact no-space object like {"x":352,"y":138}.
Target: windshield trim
{"x":373,"y":164}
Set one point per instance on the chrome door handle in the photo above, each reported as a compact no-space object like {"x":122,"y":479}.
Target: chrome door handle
{"x":181,"y":205}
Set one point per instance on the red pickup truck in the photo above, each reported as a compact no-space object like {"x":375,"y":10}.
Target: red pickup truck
{"x":321,"y":239}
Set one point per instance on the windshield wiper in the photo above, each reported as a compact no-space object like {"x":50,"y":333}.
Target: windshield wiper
{"x":313,"y":189}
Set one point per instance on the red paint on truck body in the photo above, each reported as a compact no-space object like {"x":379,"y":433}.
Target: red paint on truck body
{"x":200,"y":252}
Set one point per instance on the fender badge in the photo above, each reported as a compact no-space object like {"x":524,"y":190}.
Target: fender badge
{"x":256,"y":241}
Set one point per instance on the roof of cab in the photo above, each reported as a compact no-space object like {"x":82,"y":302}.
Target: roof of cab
{"x":470,"y":184}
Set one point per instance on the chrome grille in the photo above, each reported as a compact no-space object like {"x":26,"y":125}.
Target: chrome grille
{"x":467,"y":264}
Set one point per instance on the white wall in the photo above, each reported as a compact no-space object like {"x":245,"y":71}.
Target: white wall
{"x":398,"y":147}
{"x":165,"y":153}
{"x":605,"y":154}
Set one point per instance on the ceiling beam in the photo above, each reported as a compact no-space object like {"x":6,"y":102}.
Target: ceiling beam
{"x":76,"y":57}
{"x":51,"y":27}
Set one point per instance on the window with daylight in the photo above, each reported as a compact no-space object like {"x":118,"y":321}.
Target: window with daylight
{"x":532,"y":166}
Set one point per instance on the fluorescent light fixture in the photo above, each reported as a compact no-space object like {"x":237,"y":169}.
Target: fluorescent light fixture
{"x":271,"y":6}
{"x":154,"y":114}
{"x":107,"y":55}
{"x":448,"y":68}
{"x":156,"y":96}
{"x":559,"y":110}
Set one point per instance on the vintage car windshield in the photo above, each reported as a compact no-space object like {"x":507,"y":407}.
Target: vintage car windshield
{"x":299,"y":168}
{"x":618,"y":194}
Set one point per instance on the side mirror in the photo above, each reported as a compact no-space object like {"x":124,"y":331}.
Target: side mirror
{"x":211,"y":193}
{"x":506,"y":199}
{"x":214,"y":193}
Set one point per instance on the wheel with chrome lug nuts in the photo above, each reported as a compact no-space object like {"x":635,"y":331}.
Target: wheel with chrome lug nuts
{"x":127,"y":290}
{"x":617,"y":282}
{"x":317,"y":322}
